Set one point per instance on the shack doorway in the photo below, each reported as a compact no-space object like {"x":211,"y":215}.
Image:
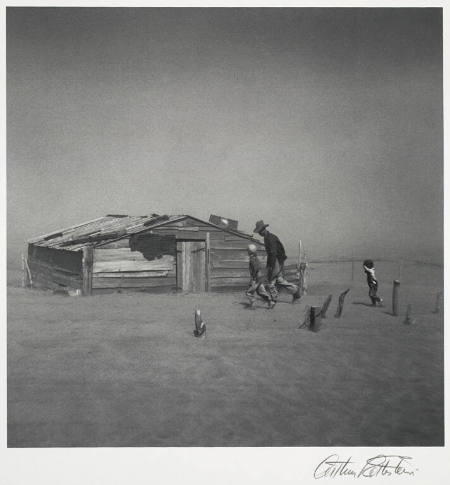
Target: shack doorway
{"x":191,"y":266}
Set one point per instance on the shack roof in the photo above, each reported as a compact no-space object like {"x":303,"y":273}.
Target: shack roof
{"x":112,"y":227}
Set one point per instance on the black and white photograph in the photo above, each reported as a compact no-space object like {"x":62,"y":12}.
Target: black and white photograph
{"x":225,"y":231}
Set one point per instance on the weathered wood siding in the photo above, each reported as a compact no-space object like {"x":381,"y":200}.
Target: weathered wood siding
{"x":229,"y":261}
{"x":129,"y":265}
{"x":227,"y":255}
{"x":55,"y":268}
{"x":148,"y":261}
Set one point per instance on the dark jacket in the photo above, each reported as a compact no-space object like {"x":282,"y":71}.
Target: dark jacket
{"x":274,"y":249}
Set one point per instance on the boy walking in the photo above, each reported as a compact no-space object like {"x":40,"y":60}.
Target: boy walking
{"x":369,"y":269}
{"x":256,"y":285}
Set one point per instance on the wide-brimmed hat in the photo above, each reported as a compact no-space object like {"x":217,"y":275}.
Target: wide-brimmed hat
{"x":260,"y":226}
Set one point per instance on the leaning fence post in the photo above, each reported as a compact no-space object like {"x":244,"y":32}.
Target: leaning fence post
{"x":30,"y":277}
{"x":341,"y":303}
{"x":325,"y":306}
{"x":395,"y":287}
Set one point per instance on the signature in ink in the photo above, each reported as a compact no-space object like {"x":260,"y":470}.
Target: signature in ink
{"x":381,"y":465}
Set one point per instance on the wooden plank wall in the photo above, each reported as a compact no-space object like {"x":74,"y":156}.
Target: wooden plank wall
{"x":227,"y":255}
{"x":55,"y":268}
{"x":228,"y":258}
{"x":118,"y":268}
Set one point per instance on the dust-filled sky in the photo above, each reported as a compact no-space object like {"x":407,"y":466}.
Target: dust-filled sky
{"x":326,"y":123}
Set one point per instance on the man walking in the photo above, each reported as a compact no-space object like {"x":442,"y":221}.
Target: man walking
{"x":276,"y":256}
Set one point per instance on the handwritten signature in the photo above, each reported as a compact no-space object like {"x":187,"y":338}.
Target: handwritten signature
{"x":380,"y":465}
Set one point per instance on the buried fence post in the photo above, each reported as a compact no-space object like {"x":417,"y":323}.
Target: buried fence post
{"x":437,"y":307}
{"x":315,"y":318}
{"x":395,"y":287}
{"x":341,"y":303}
{"x":325,"y":306}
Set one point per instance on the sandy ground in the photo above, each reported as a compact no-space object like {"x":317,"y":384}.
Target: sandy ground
{"x":125,"y":369}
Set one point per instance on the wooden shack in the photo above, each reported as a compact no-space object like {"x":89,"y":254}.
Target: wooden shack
{"x":141,"y":253}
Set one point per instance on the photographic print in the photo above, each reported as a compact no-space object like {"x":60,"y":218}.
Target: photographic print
{"x":225,"y":227}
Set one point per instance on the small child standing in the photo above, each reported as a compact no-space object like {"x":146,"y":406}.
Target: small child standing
{"x":369,"y":269}
{"x":256,"y":280}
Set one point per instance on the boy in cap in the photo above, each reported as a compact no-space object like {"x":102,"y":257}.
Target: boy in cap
{"x":276,"y":257}
{"x":369,"y":269}
{"x":256,"y":280}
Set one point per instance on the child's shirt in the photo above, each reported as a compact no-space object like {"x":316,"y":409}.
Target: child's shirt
{"x":371,"y":279}
{"x":254,"y":267}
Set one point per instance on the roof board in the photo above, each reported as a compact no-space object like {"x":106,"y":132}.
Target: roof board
{"x":112,"y":227}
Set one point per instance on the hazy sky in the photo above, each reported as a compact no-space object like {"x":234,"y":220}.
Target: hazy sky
{"x":326,"y":123}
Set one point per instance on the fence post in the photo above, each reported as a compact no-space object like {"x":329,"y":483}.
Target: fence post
{"x":395,"y":287}
{"x":24,"y":284}
{"x":88,"y":260}
{"x":325,"y":306}
{"x":341,"y":303}
{"x":301,"y":279}
{"x":315,"y":318}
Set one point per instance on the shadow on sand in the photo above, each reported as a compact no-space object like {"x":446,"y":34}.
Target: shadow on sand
{"x":363,"y":303}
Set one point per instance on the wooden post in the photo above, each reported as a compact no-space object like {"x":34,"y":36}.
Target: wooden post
{"x":325,"y":306}
{"x":208,"y":263}
{"x":30,"y":278}
{"x":305,"y":283}
{"x":395,"y":287}
{"x":341,"y":303}
{"x":88,"y":262}
{"x":437,"y":307}
{"x":24,"y":276}
{"x":315,"y":318}
{"x":301,"y":278}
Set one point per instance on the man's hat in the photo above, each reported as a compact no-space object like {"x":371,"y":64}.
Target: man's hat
{"x":260,"y":226}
